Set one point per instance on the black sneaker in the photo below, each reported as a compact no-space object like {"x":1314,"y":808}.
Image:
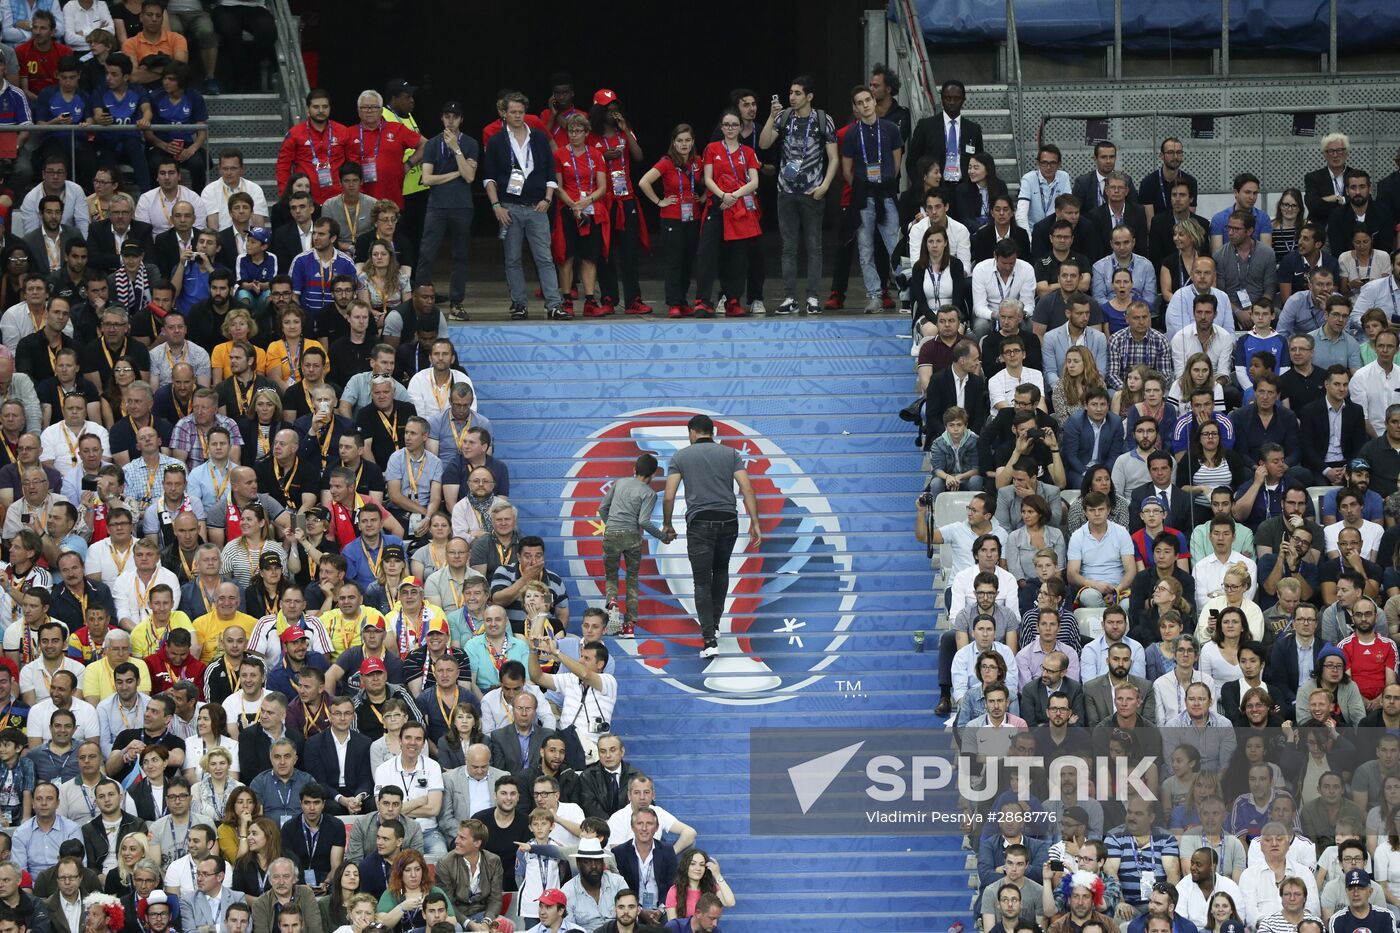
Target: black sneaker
{"x":557,"y":313}
{"x":458,"y":313}
{"x":813,"y":306}
{"x":518,"y":313}
{"x":711,"y":648}
{"x":788,"y":306}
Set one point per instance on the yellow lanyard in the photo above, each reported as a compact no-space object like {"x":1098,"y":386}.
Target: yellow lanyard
{"x":456,"y":435}
{"x":111,"y":363}
{"x":441,"y":397}
{"x":291,"y":478}
{"x":376,"y":561}
{"x":72,"y":443}
{"x":352,"y":224}
{"x":120,"y":560}
{"x":183,"y":358}
{"x":392,"y":428}
{"x":219,"y":488}
{"x":412,"y":477}
{"x":243,"y":400}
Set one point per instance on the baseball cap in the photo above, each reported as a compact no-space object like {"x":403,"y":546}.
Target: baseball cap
{"x":269,"y":559}
{"x":554,"y":896}
{"x":603,"y":97}
{"x":453,"y":107}
{"x":438,"y":626}
{"x":1359,"y":463}
{"x":410,"y":581}
{"x":1357,"y":878}
{"x":372,"y":666}
{"x":293,"y":633}
{"x":376,"y":622}
{"x":132,"y":248}
{"x":399,"y":86}
{"x":393,"y":552}
{"x":1153,"y":501}
{"x":261,"y":234}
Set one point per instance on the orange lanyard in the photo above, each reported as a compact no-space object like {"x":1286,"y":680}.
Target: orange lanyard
{"x":391,"y":427}
{"x":291,"y":478}
{"x":120,"y":561}
{"x":111,"y":363}
{"x":243,"y":400}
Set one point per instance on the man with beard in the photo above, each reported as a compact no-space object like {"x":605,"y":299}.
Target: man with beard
{"x":592,"y":892}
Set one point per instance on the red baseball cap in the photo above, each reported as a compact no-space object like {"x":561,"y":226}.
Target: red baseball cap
{"x":411,"y":581}
{"x":372,"y":666}
{"x":554,"y":896}
{"x":293,"y":633}
{"x":604,"y":97}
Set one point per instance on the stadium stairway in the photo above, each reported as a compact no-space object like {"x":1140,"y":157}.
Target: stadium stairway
{"x":823,"y":611}
{"x":255,"y":124}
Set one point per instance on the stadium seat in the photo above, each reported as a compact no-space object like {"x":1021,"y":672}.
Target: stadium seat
{"x":949,"y":507}
{"x":1090,"y":623}
{"x":1069,"y":497}
{"x":1316,"y":493}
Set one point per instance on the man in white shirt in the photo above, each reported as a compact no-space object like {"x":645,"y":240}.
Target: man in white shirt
{"x":589,"y":694}
{"x":641,"y":792}
{"x":68,"y":899}
{"x":61,"y":689}
{"x":431,"y":388}
{"x":421,"y":780}
{"x":36,"y":677}
{"x":1003,"y":276}
{"x":1001,"y":388}
{"x":1207,"y":336}
{"x":1201,"y":884}
{"x":1209,"y":572}
{"x":936,"y":212}
{"x":156,"y":206}
{"x":1376,"y":386}
{"x":182,"y":877}
{"x":1260,"y":883}
{"x":230,"y":182}
{"x":1180,"y":311}
{"x":986,"y":551}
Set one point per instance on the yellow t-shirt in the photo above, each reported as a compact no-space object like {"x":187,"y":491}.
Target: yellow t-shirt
{"x":97,"y":679}
{"x":209,"y":629}
{"x":219,"y":358}
{"x":145,"y":641}
{"x":278,"y":363}
{"x":346,"y":635}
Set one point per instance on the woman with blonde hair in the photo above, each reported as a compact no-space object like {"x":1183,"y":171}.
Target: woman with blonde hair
{"x":131,"y":850}
{"x":1189,"y":238}
{"x":1197,"y":373}
{"x":1235,"y":589}
{"x":238,"y":325}
{"x":1078,"y":374}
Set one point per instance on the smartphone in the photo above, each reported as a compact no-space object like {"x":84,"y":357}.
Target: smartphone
{"x":776,"y":99}
{"x":299,"y":521}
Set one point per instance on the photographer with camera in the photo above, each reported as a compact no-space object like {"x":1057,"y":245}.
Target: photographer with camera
{"x":1031,"y":443}
{"x":589,"y":696}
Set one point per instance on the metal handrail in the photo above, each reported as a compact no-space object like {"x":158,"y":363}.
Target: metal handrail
{"x":1013,"y":45}
{"x":924,"y":72}
{"x":1238,"y":112}
{"x":295,"y":84}
{"x":73,"y":130}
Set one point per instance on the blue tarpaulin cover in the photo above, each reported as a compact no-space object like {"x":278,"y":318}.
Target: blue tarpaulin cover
{"x":1148,"y":25}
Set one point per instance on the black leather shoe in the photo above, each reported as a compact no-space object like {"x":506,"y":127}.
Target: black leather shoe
{"x":944,"y":707}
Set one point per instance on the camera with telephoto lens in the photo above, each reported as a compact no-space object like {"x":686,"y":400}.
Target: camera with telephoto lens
{"x":925,"y":499}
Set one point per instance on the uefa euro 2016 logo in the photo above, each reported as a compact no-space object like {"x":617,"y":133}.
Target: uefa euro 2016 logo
{"x":788,"y":606}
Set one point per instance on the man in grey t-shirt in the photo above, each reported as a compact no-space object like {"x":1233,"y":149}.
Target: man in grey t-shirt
{"x":709,"y":471}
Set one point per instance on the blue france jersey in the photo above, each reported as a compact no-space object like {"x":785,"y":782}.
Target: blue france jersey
{"x":189,"y":108}
{"x":125,"y":110}
{"x":51,"y":105}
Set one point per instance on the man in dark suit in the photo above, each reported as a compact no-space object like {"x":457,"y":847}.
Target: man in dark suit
{"x":550,"y":763}
{"x":525,"y":729}
{"x":1320,"y":447}
{"x":942,"y":392}
{"x":255,"y":742}
{"x":49,"y":241}
{"x":1325,"y":189}
{"x":291,"y":240}
{"x":1035,"y":695}
{"x":68,"y":876}
{"x":173,"y":246}
{"x":1283,"y":672}
{"x":1068,"y":209}
{"x":1161,"y":468}
{"x":631,"y":856}
{"x":1388,"y":191}
{"x":321,"y":759}
{"x":932,"y":135}
{"x":1090,"y":187}
{"x":105,"y":237}
{"x":602,"y":784}
{"x":1251,"y":662}
{"x":1117,"y":211}
{"x":1360,"y":210}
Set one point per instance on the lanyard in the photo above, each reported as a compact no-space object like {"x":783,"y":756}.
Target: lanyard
{"x":1003,"y":289}
{"x":578,"y":179}
{"x":806,"y":130}
{"x":1047,"y":197}
{"x":684,"y":175}
{"x":879,"y":143}
{"x":311,"y":141}
{"x":378,"y":139}
{"x":935,"y":280}
{"x":286,"y":484}
{"x":310,"y":838}
{"x":412,"y":477}
{"x":743,"y":163}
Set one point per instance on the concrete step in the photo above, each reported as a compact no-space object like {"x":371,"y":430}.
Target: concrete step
{"x":271,"y":125}
{"x":233,"y":105}
{"x":255,"y":147}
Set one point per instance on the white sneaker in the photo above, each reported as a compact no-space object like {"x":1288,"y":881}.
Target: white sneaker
{"x":757,"y":309}
{"x":710,"y":650}
{"x":614,"y":618}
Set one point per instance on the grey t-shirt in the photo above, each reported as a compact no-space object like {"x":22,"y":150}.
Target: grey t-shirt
{"x":707,"y":468}
{"x":802,"y":142}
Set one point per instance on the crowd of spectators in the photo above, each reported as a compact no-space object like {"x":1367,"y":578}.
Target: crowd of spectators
{"x":1178,"y":443}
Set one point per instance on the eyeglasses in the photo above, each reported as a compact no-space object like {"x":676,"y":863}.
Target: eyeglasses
{"x":729,"y":126}
{"x":1173,"y":152}
{"x":1335,"y":150}
{"x":1047,"y":161}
